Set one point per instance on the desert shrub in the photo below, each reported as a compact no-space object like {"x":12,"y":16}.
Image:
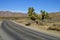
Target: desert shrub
{"x":55,"y":27}
{"x":58,"y":27}
{"x":52,"y":28}
{"x":33,"y":18}
{"x":36,"y":22}
{"x":28,"y":24}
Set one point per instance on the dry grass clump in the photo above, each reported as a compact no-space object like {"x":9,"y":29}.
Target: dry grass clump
{"x":54,"y":27}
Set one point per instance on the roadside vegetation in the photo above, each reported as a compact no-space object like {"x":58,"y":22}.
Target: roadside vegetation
{"x":40,"y":21}
{"x":44,"y":20}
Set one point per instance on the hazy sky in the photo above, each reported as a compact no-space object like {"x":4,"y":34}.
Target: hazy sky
{"x":23,"y":5}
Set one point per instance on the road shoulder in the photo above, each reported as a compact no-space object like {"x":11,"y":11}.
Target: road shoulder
{"x":56,"y":34}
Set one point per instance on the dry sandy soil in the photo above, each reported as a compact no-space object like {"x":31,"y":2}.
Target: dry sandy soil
{"x":42,"y":28}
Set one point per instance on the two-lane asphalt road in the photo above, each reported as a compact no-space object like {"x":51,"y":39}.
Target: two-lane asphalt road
{"x":19,"y":32}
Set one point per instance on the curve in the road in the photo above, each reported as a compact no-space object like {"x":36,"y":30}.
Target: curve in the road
{"x":21,"y":33}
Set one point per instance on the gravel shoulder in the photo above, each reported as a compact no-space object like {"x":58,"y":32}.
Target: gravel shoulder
{"x":53,"y":33}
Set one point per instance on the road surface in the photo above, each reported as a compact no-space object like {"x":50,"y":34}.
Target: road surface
{"x":18,"y":32}
{"x":4,"y":35}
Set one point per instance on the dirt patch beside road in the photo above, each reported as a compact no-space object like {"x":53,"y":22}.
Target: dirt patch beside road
{"x":40,"y":29}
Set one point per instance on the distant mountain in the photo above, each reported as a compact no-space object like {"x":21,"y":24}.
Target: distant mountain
{"x":12,"y":14}
{"x":18,"y":14}
{"x":55,"y":15}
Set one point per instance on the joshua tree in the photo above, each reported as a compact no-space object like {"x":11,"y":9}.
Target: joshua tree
{"x":46,"y":15}
{"x":43,"y":14}
{"x":31,"y":13}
